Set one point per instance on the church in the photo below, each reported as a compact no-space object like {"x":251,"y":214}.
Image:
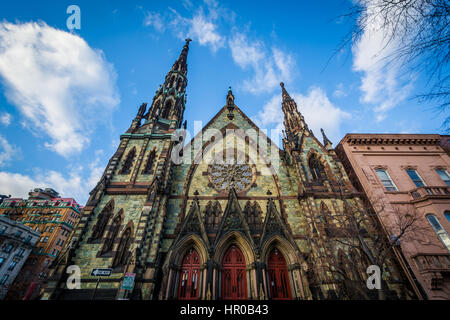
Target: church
{"x":227,"y":215}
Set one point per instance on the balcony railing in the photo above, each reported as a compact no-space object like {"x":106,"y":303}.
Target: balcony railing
{"x":430,"y":191}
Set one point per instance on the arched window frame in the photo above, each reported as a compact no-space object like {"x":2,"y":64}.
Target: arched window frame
{"x":316,"y":168}
{"x":112,"y":234}
{"x":150,"y":162}
{"x":128,"y":163}
{"x":167,"y":109}
{"x":121,"y":256}
{"x":102,"y":221}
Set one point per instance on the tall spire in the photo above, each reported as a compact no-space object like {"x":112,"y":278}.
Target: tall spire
{"x":170,"y":98}
{"x":293,"y":119}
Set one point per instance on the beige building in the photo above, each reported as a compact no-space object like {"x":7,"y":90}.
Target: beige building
{"x":16,"y":243}
{"x":406,"y":179}
{"x":51,"y":216}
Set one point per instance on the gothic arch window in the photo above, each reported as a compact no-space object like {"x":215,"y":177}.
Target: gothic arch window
{"x":213,"y":213}
{"x":122,"y":253}
{"x":179,"y":84}
{"x":112,"y":234}
{"x":102,"y":221}
{"x":253,"y":215}
{"x":156,"y":107}
{"x":188,"y":287}
{"x":167,"y":109}
{"x":150,"y":161}
{"x":278,"y":276}
{"x":316,"y":168}
{"x":172,"y":82}
{"x":234,"y":276}
{"x":128,"y":163}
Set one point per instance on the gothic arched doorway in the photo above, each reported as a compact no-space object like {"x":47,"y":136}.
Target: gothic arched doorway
{"x":188,"y":288}
{"x":278,"y":276}
{"x":234,"y":278}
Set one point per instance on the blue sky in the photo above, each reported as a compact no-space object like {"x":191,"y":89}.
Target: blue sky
{"x":66,"y":97}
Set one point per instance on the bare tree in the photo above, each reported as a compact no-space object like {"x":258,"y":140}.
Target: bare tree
{"x":355,"y":239}
{"x":421,"y":29}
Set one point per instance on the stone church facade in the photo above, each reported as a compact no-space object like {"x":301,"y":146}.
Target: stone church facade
{"x":264,"y":223}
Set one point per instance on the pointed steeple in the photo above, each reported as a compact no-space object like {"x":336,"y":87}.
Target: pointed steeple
{"x":294,"y":121}
{"x":326,"y":142}
{"x":170,"y":98}
{"x":285,"y":94}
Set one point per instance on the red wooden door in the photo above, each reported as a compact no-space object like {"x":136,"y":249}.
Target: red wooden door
{"x":234,"y":277}
{"x":278,"y":276}
{"x":189,"y":277}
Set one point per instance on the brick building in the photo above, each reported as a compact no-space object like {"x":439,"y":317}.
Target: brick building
{"x":54,"y":218}
{"x":406,"y":179}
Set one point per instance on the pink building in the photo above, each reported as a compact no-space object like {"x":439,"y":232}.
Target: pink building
{"x":406,"y":179}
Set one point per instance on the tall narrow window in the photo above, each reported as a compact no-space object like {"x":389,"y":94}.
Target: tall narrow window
{"x":150,"y":161}
{"x":166,"y":111}
{"x":415,"y":177}
{"x":126,"y":168}
{"x":440,"y":231}
{"x":443,"y":174}
{"x":386,"y":180}
{"x":112,"y":235}
{"x":102,"y":221}
{"x":122,"y":251}
{"x":316,"y":168}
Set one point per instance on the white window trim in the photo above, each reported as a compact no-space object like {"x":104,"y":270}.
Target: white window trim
{"x":390,"y":178}
{"x":446,"y":172}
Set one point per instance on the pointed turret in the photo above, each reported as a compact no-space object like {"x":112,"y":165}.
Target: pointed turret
{"x":326,"y":142}
{"x":230,"y":104}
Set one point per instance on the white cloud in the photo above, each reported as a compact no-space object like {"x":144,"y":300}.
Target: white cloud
{"x":7,"y":151}
{"x":318,"y":110}
{"x":201,"y":27}
{"x":60,"y":85}
{"x":383,"y":84}
{"x":339,"y":92}
{"x":5,"y":118}
{"x":154,"y":19}
{"x":72,"y":184}
{"x":205,"y":31}
{"x":269,"y":67}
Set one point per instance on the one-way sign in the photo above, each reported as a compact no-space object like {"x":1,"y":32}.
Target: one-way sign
{"x":101,"y":272}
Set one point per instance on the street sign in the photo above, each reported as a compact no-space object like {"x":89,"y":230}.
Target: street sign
{"x":101,"y":272}
{"x":128,"y":281}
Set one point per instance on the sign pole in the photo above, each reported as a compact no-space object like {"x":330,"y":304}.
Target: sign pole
{"x":95,"y":290}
